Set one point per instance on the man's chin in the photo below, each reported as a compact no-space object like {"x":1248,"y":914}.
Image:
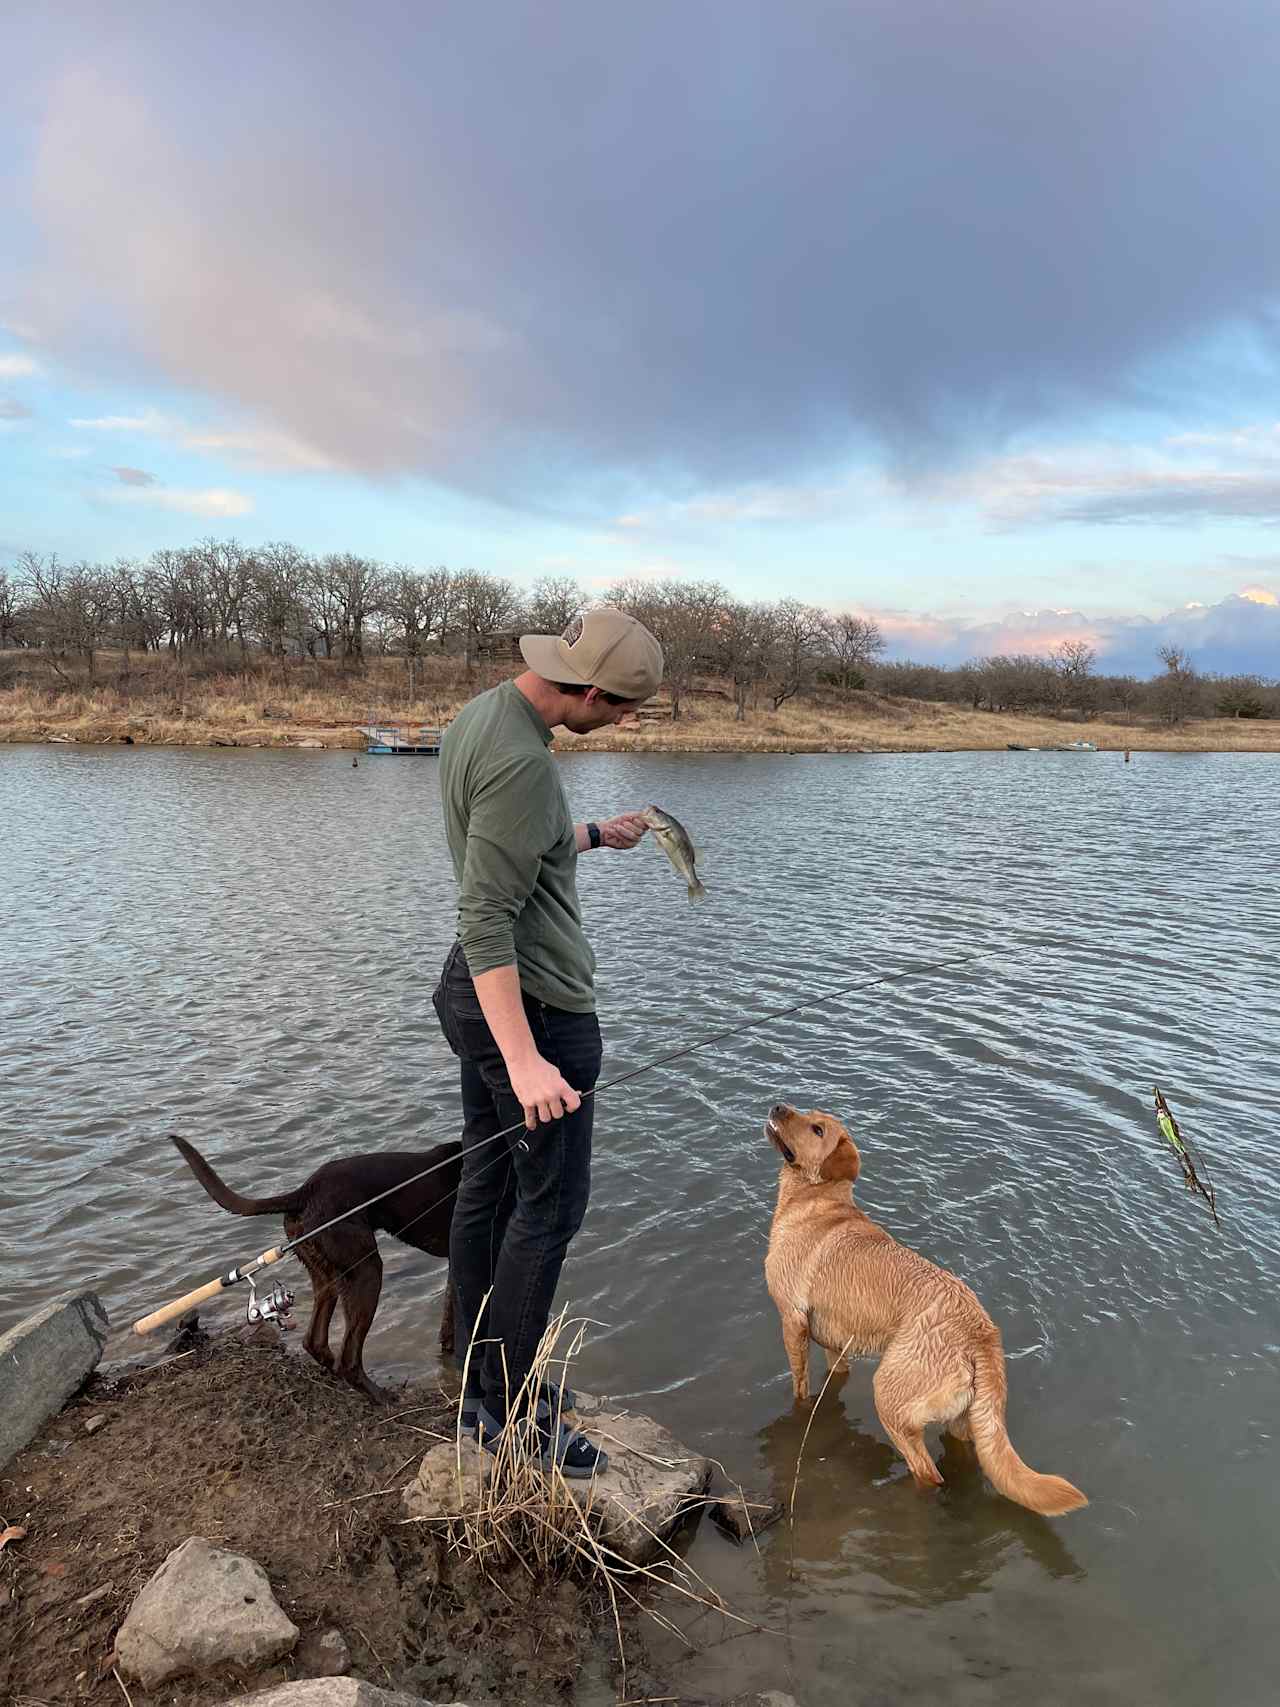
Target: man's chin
{"x":587,"y":725}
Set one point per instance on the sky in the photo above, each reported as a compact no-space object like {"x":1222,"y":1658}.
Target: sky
{"x":966,"y":318}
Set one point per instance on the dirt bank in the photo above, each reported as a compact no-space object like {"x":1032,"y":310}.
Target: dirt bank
{"x":252,"y":1447}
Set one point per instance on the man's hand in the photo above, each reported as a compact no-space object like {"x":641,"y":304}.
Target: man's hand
{"x":542,"y":1091}
{"x":622,"y":832}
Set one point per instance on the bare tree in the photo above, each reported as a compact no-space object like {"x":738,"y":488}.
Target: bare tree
{"x":744,"y":641}
{"x":71,"y":605}
{"x":322,"y":593}
{"x":553,"y":601}
{"x":418,"y":607}
{"x":123,"y":601}
{"x":224,"y":570}
{"x":10,"y":609}
{"x":276,"y":608}
{"x":1123,"y":692}
{"x":1072,"y":663}
{"x":855,"y":641}
{"x":356,"y":585}
{"x":174,"y":593}
{"x":1176,"y":694}
{"x":483,"y":605}
{"x":798,"y":634}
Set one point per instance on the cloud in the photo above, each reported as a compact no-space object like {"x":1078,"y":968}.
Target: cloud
{"x":213,"y":501}
{"x":257,"y":447}
{"x":150,"y":421}
{"x":17,"y":367}
{"x":260,"y":449}
{"x":1238,"y":635}
{"x":1192,"y":477}
{"x":610,"y":240}
{"x":134,"y":476}
{"x":12,"y":410}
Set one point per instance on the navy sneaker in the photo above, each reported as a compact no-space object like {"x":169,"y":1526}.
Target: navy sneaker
{"x":555,"y":1443}
{"x":555,"y":1400}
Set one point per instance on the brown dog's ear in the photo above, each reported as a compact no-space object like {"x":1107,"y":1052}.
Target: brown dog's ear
{"x":842,"y":1163}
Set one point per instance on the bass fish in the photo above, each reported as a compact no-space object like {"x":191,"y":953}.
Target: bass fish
{"x":673,"y":839}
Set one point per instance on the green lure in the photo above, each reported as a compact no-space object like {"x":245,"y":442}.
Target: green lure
{"x":1195,"y":1176}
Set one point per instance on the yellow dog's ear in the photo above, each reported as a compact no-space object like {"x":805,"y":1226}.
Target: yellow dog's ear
{"x":842,"y":1163}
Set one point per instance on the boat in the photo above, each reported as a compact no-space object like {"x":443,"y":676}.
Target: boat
{"x":1059,"y":747}
{"x":396,"y":739}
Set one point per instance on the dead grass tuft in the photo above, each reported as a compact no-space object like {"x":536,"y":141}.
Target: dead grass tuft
{"x":531,"y":1518}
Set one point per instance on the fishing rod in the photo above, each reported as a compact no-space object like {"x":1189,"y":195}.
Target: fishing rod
{"x":278,"y":1302}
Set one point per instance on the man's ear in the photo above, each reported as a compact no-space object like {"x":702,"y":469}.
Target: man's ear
{"x":842,"y":1163}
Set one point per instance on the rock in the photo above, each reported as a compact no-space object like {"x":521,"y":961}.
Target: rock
{"x":331,"y":1692}
{"x":740,"y":1518}
{"x":323,"y":1655}
{"x":93,"y":1424}
{"x":312,"y":744}
{"x":651,"y":1484}
{"x":204,"y":1607}
{"x":450,"y":1480}
{"x":43,"y":1361}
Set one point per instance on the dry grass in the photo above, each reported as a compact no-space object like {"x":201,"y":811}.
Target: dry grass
{"x":530,"y":1518}
{"x":158,"y":702}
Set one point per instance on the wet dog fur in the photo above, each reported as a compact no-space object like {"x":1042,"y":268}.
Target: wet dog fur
{"x":343,"y":1262}
{"x":838,"y":1278}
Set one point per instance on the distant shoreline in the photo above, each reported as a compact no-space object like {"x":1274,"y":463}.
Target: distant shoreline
{"x":318,"y":737}
{"x":323,"y":706}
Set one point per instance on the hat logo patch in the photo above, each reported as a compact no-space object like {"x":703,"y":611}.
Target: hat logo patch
{"x":573,"y":633}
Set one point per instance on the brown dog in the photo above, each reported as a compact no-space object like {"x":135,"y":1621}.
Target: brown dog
{"x":839,"y":1279}
{"x":343,"y":1262}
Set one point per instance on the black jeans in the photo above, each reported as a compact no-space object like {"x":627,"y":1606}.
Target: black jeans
{"x":522,"y":1198}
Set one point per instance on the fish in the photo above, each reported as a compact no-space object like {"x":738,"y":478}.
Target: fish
{"x":673,"y":839}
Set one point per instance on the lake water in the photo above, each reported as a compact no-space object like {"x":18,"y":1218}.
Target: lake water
{"x":241,"y":946}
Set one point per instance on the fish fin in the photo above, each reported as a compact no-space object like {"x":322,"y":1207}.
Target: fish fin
{"x":697,"y":890}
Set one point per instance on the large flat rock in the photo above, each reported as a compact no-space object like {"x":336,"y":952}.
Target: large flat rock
{"x":43,"y":1361}
{"x":651,"y":1483}
{"x":204,"y":1607}
{"x":332,"y":1692}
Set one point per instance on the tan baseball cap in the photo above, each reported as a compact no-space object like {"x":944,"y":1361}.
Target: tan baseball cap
{"x":601,"y":648}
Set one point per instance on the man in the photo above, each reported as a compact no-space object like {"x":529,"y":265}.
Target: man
{"x":517,"y":1005}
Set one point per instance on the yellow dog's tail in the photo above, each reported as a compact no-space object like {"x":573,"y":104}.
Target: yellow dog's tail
{"x":1052,"y":1496}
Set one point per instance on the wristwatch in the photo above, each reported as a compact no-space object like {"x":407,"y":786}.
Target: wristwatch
{"x":593,"y":835}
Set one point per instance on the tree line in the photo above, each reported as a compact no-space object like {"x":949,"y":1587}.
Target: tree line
{"x":219,"y":602}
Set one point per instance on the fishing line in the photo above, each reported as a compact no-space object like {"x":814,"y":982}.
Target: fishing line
{"x":279,"y":1252}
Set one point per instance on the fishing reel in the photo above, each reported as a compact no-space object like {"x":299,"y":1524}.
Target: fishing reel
{"x":271,"y":1305}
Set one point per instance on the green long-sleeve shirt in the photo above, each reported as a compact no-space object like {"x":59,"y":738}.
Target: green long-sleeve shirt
{"x":514,"y":851}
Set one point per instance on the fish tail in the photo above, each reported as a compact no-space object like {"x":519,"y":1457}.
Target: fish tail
{"x":697,"y":889}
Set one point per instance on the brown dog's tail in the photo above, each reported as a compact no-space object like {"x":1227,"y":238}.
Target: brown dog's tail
{"x":221,"y":1192}
{"x":1052,"y":1496}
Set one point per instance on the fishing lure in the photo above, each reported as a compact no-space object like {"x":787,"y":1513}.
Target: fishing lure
{"x":1192,"y":1164}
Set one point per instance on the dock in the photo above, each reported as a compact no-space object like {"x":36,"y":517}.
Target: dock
{"x":397,"y":738}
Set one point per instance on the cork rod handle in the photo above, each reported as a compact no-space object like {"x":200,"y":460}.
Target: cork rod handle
{"x":201,"y":1295}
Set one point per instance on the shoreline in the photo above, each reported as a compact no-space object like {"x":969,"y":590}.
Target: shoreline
{"x":321,"y":737}
{"x":288,"y":709}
